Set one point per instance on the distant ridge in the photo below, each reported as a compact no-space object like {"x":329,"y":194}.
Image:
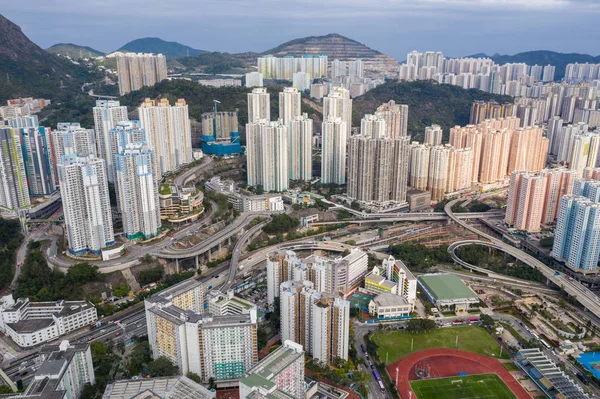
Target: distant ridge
{"x":74,"y":51}
{"x":155,"y":45}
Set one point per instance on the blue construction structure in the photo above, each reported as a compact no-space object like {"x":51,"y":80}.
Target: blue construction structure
{"x":222,"y":147}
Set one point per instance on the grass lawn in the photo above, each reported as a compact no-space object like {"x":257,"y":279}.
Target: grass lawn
{"x":510,"y":366}
{"x":483,"y":386}
{"x":470,"y":338}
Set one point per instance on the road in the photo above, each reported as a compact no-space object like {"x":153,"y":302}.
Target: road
{"x":584,"y":296}
{"x":411,"y":217}
{"x":135,"y":251}
{"x":237,"y":252}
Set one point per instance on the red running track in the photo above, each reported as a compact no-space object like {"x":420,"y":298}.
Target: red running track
{"x":448,"y":363}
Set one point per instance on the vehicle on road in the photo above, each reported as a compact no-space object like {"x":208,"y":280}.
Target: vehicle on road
{"x":362,"y":347}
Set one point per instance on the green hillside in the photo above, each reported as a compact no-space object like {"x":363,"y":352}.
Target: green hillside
{"x":74,"y":51}
{"x":428,"y":103}
{"x":155,"y":45}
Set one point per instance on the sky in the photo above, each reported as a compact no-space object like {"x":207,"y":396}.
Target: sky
{"x":394,"y":27}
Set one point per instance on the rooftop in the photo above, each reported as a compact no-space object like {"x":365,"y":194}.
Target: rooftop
{"x":446,"y":286}
{"x":261,"y":375}
{"x":31,"y":325}
{"x":164,"y":388}
{"x":386,"y":299}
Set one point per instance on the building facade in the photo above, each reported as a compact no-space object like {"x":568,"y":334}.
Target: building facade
{"x":267,"y":152}
{"x":106,"y":116}
{"x":138,"y":70}
{"x":14,"y":192}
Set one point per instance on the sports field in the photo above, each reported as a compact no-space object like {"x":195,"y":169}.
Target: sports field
{"x":470,"y":338}
{"x":483,"y":386}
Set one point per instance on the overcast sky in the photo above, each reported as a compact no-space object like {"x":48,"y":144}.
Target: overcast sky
{"x":395,"y":27}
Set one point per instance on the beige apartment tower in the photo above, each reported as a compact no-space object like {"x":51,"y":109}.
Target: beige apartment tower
{"x":138,"y":70}
{"x":396,"y":118}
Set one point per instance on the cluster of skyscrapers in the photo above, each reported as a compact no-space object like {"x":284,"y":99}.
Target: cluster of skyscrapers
{"x":207,"y":333}
{"x":283,"y":68}
{"x":35,"y":161}
{"x":474,"y":73}
{"x":277,"y":151}
{"x":311,"y":291}
{"x":136,"y":70}
{"x":579,"y":73}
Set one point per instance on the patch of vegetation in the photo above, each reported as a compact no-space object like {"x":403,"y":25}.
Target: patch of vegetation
{"x":281,"y":224}
{"x":151,"y":276}
{"x":547,"y":242}
{"x":212,"y":62}
{"x":474,"y":339}
{"x":418,"y":257}
{"x":10,"y":241}
{"x":428,"y":103}
{"x":496,"y":261}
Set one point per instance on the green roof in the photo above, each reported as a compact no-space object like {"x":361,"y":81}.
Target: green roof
{"x":446,"y":286}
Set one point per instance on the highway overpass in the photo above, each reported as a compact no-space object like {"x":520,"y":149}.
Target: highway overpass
{"x":412,"y":217}
{"x":584,"y":296}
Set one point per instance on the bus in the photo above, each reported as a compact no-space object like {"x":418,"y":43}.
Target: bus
{"x":376,"y":375}
{"x":473,"y":320}
{"x":546,"y":344}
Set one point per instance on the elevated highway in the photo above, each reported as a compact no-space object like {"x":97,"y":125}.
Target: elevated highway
{"x":584,"y":296}
{"x":412,"y":217}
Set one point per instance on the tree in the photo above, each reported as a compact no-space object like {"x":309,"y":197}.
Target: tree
{"x":147,"y":258}
{"x":346,"y":252}
{"x":99,"y":351}
{"x":161,"y":367}
{"x":121,"y":290}
{"x":194,"y":377}
{"x":420,"y":325}
{"x":211,"y":383}
{"x":151,"y":275}
{"x":81,"y":273}
{"x":486,"y":321}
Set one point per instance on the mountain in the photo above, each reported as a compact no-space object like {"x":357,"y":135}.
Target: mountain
{"x":74,"y":51}
{"x":428,"y":103}
{"x":27,"y":70}
{"x":155,"y":45}
{"x":545,"y":57}
{"x":339,"y":47}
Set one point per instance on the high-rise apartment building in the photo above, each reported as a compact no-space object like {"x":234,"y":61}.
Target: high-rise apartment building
{"x":137,"y":190}
{"x":259,"y":105}
{"x":219,"y":125}
{"x":338,"y":275}
{"x":219,"y":347}
{"x":419,"y":166}
{"x":168,"y":132}
{"x":63,"y":373}
{"x":138,"y":70}
{"x":71,"y":138}
{"x":378,"y":168}
{"x":482,"y":110}
{"x":338,"y":104}
{"x":106,"y":116}
{"x":529,"y":150}
{"x":37,"y":157}
{"x":319,"y":320}
{"x":526,"y":196}
{"x":460,"y":163}
{"x":438,"y":171}
{"x":577,"y":234}
{"x":284,"y":67}
{"x":267,"y":154}
{"x":289,"y":104}
{"x":300,"y":129}
{"x":334,"y":147}
{"x":373,"y":126}
{"x":559,"y":182}
{"x":591,"y":173}
{"x":301,"y":81}
{"x":555,"y":125}
{"x":355,"y":68}
{"x":433,"y":135}
{"x":14,"y":192}
{"x":86,"y":204}
{"x":279,"y":375}
{"x":396,"y":118}
{"x":584,"y":152}
{"x":254,"y":79}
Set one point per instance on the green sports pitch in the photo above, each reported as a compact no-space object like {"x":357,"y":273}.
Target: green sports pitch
{"x":481,"y":386}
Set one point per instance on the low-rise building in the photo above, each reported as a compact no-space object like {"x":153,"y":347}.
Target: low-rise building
{"x":447,"y":292}
{"x":216,"y":185}
{"x":178,"y":387}
{"x":180,"y":204}
{"x":258,"y":203}
{"x":224,"y":304}
{"x":418,"y":200}
{"x":385,"y":306}
{"x":279,"y":375}
{"x":64,"y":371}
{"x":32,"y":323}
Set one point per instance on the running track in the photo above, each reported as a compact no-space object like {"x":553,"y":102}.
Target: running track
{"x":447,"y":363}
